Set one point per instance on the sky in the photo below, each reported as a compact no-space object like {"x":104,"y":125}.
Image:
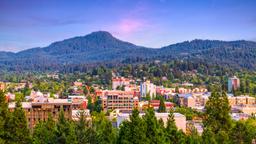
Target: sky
{"x":153,"y":23}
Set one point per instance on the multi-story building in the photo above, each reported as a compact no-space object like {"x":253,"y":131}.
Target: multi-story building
{"x":160,"y":90}
{"x":193,"y":100}
{"x":78,"y":102}
{"x":121,"y":100}
{"x":154,"y":104}
{"x":182,"y":90}
{"x":241,"y":100}
{"x":39,"y":111}
{"x":147,"y":88}
{"x":119,"y":82}
{"x":233,"y":84}
{"x":247,"y":109}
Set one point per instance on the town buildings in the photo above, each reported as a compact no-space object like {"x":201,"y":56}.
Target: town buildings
{"x":118,"y":82}
{"x":233,"y":84}
{"x":147,"y":88}
{"x":193,"y":100}
{"x":121,"y":100}
{"x":40,"y":111}
{"x":143,"y":105}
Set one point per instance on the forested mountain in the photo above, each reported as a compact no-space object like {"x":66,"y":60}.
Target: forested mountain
{"x":102,"y":48}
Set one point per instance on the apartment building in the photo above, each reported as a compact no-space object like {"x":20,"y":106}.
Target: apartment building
{"x":39,"y":111}
{"x":241,"y":100}
{"x":119,"y":82}
{"x":121,"y":100}
{"x":193,"y":100}
{"x":233,"y":83}
{"x":147,"y":88}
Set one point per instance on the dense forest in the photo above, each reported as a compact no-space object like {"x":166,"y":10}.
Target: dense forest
{"x":101,"y":48}
{"x":167,"y":74}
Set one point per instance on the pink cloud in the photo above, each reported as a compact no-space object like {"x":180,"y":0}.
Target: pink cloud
{"x":127,"y":26}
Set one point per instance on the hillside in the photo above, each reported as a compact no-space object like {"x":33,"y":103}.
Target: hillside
{"x":101,"y":47}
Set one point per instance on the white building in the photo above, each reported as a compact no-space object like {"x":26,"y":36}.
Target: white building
{"x":119,"y":81}
{"x":147,"y":88}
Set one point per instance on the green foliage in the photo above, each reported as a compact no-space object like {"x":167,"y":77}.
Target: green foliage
{"x":133,"y":131}
{"x":173,"y":135}
{"x":17,"y":127}
{"x":96,"y":106}
{"x":84,"y":131}
{"x":65,"y":130}
{"x":154,"y":133}
{"x":218,"y":121}
{"x":4,"y":116}
{"x":242,"y":133}
{"x":44,"y":132}
{"x":188,"y":112}
{"x":105,"y":133}
{"x":162,"y":108}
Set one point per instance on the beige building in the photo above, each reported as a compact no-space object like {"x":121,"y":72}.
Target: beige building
{"x":241,"y":100}
{"x":121,"y":100}
{"x":247,"y":109}
{"x":193,"y":100}
{"x":39,"y":111}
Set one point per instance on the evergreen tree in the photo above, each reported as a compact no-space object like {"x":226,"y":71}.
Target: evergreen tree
{"x":65,"y":130}
{"x":90,"y":104}
{"x":173,"y":135}
{"x":218,"y":120}
{"x":106,"y":134}
{"x":247,"y":86}
{"x":154,"y":133}
{"x":148,"y":97}
{"x":97,"y":105}
{"x":133,"y":131}
{"x":17,"y":127}
{"x":194,"y":137}
{"x":44,"y":132}
{"x":162,"y":108}
{"x":4,"y":116}
{"x":81,"y":129}
{"x":241,"y":133}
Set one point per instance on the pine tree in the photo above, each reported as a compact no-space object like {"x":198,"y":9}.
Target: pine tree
{"x":4,"y":116}
{"x":133,"y":131}
{"x":154,"y":133}
{"x":194,"y":137}
{"x":241,"y":133}
{"x":162,"y":108}
{"x":65,"y":130}
{"x":218,"y":120}
{"x":106,"y":134}
{"x":44,"y":132}
{"x":81,"y":129}
{"x":17,"y":130}
{"x":173,"y":135}
{"x":171,"y":128}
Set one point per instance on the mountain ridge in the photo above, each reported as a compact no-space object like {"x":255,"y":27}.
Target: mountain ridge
{"x":103,"y":47}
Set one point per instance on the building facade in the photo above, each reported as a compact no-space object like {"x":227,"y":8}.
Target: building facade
{"x":40,"y":111}
{"x":121,"y":100}
{"x":233,"y":84}
{"x":119,"y":82}
{"x":147,"y":88}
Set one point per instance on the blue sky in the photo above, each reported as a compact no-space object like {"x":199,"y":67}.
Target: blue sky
{"x":154,"y":23}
